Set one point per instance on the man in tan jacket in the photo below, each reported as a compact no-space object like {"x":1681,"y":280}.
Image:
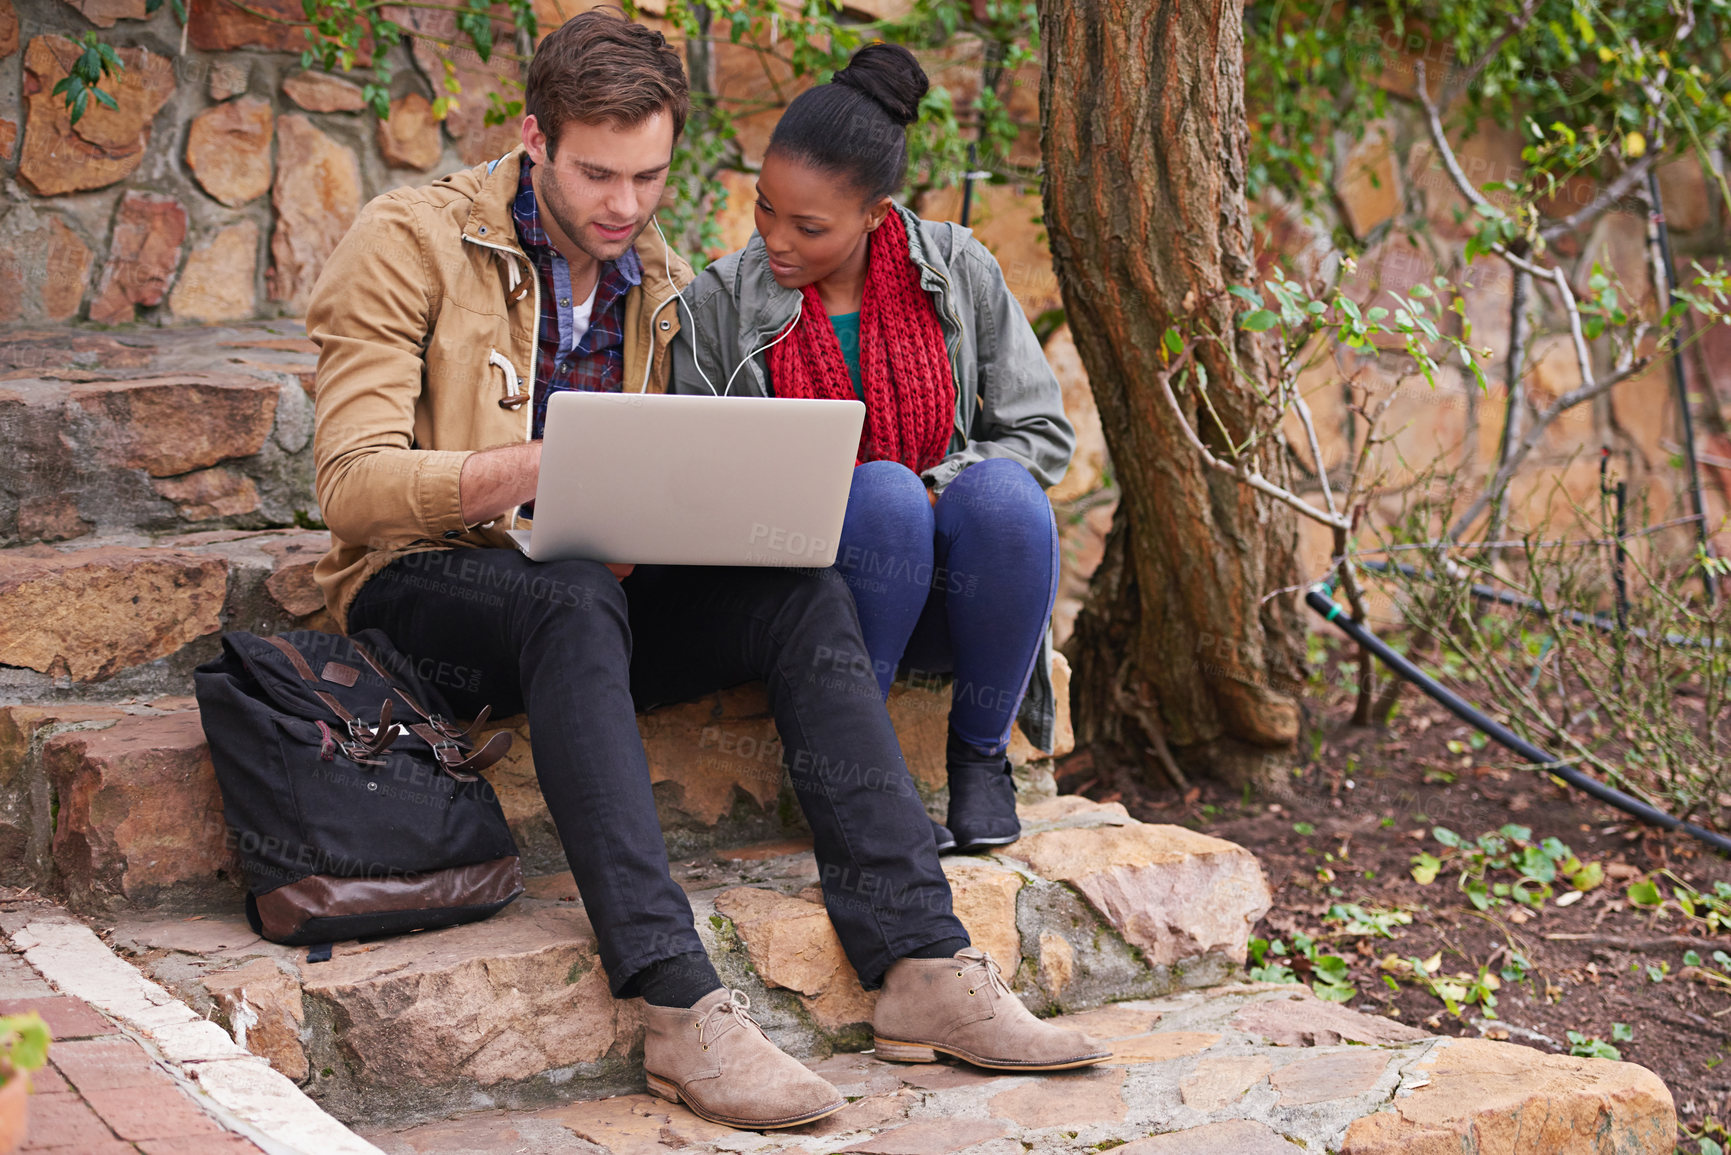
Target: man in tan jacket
{"x":444,"y":320}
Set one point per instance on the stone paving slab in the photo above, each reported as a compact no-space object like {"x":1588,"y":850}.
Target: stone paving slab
{"x":515,"y":1011}
{"x":1216,"y":1085}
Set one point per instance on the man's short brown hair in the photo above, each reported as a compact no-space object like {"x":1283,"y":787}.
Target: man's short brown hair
{"x":599,"y":67}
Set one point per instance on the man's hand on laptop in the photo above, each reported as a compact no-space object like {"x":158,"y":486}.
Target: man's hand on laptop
{"x":621,"y":569}
{"x":496,"y":481}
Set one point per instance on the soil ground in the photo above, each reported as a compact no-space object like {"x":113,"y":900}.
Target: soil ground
{"x":1367,"y":802}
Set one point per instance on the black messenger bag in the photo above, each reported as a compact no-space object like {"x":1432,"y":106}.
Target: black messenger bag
{"x":352,"y":800}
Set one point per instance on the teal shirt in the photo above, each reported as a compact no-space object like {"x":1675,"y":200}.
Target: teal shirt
{"x":847,"y":332}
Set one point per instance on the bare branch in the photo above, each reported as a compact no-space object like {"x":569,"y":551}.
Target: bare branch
{"x":1551,"y":412}
{"x":1512,"y":377}
{"x":1439,"y":140}
{"x":1621,"y":185}
{"x":1560,"y":280}
{"x":1303,"y":409}
{"x":1248,"y":476}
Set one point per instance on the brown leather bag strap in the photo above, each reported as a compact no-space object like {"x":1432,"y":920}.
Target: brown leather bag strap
{"x":373,"y":739}
{"x":496,"y":748}
{"x":451,"y":756}
{"x":442,"y":725}
{"x":294,"y":656}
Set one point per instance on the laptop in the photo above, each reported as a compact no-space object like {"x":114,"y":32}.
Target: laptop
{"x":688,"y":480}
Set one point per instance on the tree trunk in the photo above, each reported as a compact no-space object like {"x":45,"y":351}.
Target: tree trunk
{"x":1145,"y":143}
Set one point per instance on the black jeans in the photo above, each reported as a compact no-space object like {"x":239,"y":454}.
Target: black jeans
{"x":580,"y":652}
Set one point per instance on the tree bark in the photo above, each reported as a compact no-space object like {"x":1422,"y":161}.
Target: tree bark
{"x":1145,"y":145}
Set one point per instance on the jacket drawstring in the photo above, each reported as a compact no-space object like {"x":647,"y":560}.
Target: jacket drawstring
{"x":514,"y":397}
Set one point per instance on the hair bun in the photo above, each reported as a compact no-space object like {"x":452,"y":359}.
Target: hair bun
{"x":889,"y":74}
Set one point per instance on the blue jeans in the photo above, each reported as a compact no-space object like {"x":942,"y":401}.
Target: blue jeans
{"x":963,"y":588}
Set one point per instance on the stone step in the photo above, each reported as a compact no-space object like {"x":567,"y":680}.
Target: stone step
{"x":113,"y":804}
{"x":157,"y":431}
{"x":515,"y":1011}
{"x":128,"y":616}
{"x":1256,"y":1069}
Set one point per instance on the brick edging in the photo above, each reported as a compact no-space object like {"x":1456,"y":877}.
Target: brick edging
{"x":240,"y":1089}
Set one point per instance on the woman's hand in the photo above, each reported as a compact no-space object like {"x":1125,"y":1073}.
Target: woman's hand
{"x":621,"y":569}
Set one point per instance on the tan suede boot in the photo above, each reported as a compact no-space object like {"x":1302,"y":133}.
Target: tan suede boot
{"x":962,"y":1007}
{"x":716,"y":1060}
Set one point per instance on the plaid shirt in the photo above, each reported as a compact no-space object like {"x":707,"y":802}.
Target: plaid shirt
{"x":596,"y":363}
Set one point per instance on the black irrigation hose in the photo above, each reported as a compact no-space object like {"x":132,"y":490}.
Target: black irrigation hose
{"x":1319,"y":598}
{"x":1573,"y":617}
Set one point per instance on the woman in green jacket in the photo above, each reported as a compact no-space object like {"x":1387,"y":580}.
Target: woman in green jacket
{"x":949,"y":543}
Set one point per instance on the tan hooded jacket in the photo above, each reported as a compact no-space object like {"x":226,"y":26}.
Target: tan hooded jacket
{"x":426,"y":318}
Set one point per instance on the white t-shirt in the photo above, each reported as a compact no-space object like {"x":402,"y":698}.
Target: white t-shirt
{"x":580,"y":314}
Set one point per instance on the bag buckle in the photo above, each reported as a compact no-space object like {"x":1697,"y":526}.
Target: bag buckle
{"x":361,"y":754}
{"x":447,"y":728}
{"x":451,"y":758}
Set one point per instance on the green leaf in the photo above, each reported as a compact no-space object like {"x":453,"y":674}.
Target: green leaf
{"x":1246,"y":294}
{"x":1445,"y":836}
{"x":1591,"y":1048}
{"x":1259,"y":321}
{"x":1622,"y":1032}
{"x":1424,"y":869}
{"x":1691,"y":959}
{"x":1173,"y":341}
{"x":23,"y":1041}
{"x":1536,"y":865}
{"x":1645,"y":893}
{"x":1332,"y":967}
{"x":1304,"y":828}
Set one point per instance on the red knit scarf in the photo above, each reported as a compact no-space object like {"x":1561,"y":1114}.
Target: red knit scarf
{"x":910,"y":394}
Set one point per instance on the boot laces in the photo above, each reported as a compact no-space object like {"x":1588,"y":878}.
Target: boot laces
{"x":983,"y":970}
{"x":738,"y":1005}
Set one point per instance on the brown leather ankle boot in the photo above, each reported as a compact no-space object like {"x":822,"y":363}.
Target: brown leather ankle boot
{"x":716,"y":1060}
{"x":962,"y":1007}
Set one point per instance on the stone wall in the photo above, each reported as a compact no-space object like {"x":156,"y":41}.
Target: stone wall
{"x":1393,"y":198}
{"x":218,"y":187}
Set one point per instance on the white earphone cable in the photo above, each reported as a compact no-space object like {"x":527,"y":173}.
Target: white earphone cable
{"x":679,"y":295}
